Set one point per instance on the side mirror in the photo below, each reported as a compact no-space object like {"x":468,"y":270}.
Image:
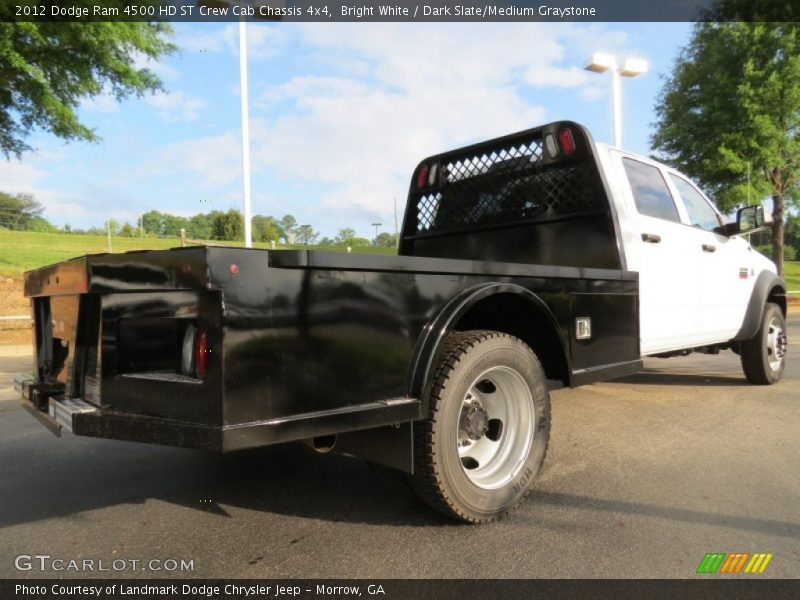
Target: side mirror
{"x":748,"y":220}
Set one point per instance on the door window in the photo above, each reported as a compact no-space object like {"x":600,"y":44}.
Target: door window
{"x":650,"y":191}
{"x":701,"y":214}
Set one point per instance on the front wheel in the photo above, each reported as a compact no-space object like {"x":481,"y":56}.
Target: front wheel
{"x":764,"y":355}
{"x":486,"y":437}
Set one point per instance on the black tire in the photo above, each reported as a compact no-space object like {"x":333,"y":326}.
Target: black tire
{"x":441,"y":476}
{"x":764,"y":355}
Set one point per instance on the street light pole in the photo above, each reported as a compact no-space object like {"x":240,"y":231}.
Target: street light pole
{"x":600,"y":63}
{"x":248,"y":233}
{"x":616,"y":101}
{"x":376,"y":225}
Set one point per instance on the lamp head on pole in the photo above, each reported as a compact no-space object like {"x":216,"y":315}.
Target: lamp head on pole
{"x":600,"y":62}
{"x":633,"y":67}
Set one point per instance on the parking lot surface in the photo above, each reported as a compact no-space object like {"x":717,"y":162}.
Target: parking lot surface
{"x":644,"y":476}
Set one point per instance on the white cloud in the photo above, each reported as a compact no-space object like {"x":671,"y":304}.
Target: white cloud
{"x":418,"y":89}
{"x":176,"y":106}
{"x":374,"y":100}
{"x":162,"y":69}
{"x":213,"y":161}
{"x":102,"y":103}
{"x":27,"y":177}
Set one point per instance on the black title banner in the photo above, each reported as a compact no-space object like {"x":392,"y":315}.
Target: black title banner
{"x":398,"y":10}
{"x":394,"y":589}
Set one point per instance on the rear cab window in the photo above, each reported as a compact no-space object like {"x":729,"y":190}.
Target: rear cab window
{"x":650,"y":191}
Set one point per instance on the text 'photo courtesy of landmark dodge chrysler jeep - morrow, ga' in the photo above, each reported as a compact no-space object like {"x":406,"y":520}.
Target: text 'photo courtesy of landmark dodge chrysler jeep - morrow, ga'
{"x":526,"y":262}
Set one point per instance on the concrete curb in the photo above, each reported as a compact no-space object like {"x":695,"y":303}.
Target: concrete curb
{"x":16,"y":350}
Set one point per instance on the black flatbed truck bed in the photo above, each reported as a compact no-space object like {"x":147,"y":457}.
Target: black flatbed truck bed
{"x":229,"y":348}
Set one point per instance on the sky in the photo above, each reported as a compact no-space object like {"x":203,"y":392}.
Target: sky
{"x":340,"y":114}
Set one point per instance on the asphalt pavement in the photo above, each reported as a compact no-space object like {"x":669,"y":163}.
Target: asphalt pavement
{"x":644,"y":476}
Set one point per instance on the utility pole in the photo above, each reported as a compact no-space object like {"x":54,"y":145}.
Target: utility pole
{"x":376,"y":225}
{"x":108,"y":234}
{"x":396,"y":229}
{"x":248,"y":232}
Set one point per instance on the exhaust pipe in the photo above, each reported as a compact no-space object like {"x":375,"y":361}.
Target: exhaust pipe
{"x":322,"y":443}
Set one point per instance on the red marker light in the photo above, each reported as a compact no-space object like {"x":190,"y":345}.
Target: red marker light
{"x":234,"y":269}
{"x":186,"y":268}
{"x":201,"y":353}
{"x":422,"y":176}
{"x":567,"y":143}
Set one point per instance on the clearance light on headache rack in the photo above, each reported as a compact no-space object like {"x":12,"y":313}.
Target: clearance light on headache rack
{"x":567,"y":142}
{"x":432,"y":176}
{"x":422,"y":176}
{"x":550,"y":145}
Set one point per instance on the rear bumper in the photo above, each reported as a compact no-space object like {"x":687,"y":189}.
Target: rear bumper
{"x":84,"y":419}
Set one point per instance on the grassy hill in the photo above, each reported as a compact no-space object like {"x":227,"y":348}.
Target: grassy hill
{"x":21,"y":251}
{"x":792,"y":276}
{"x":24,"y":250}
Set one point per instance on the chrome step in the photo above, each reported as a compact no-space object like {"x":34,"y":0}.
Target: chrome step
{"x":21,"y":380}
{"x":62,"y":409}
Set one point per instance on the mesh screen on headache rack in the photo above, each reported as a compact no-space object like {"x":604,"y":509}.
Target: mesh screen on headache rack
{"x":512,"y":182}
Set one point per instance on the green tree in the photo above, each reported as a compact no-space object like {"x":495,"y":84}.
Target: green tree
{"x":266,"y":229}
{"x":153,"y":222}
{"x":731,"y":108}
{"x":306,"y":234}
{"x":47,"y":69}
{"x":228,"y":226}
{"x":385,"y":239}
{"x":127,"y":230}
{"x":289,"y":224}
{"x":345,"y":236}
{"x":199,"y":227}
{"x":17,"y":211}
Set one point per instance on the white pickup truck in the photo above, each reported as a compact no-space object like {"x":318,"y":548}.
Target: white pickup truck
{"x":535,"y":259}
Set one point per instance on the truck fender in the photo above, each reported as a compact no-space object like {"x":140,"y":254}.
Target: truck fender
{"x":767,"y":285}
{"x":427,"y":349}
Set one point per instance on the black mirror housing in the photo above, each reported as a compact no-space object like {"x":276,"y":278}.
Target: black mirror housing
{"x":749,"y":219}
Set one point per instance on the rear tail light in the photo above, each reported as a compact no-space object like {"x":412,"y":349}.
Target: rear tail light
{"x":194,"y":351}
{"x":201,"y":353}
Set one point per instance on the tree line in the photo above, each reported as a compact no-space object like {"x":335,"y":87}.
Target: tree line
{"x":21,"y":212}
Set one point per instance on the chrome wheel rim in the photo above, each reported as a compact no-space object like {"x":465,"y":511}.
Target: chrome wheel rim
{"x":776,"y":344}
{"x":496,"y":427}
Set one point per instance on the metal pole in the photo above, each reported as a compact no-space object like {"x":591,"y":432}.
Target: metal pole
{"x":396,"y":229}
{"x":616,"y":100}
{"x":248,"y":233}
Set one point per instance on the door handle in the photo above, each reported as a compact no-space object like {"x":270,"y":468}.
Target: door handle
{"x":651,"y":238}
{"x":709,"y":248}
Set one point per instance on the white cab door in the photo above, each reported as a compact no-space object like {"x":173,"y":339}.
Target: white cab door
{"x":727,"y":277}
{"x":670,"y":272}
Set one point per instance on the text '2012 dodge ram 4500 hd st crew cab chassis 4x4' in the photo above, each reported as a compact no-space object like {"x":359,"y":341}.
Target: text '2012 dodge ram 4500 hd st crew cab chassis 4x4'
{"x":525,"y":261}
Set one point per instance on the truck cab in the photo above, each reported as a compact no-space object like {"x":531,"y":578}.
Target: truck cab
{"x":695,"y":282}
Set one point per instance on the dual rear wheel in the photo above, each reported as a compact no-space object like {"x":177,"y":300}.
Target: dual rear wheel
{"x":489,"y":425}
